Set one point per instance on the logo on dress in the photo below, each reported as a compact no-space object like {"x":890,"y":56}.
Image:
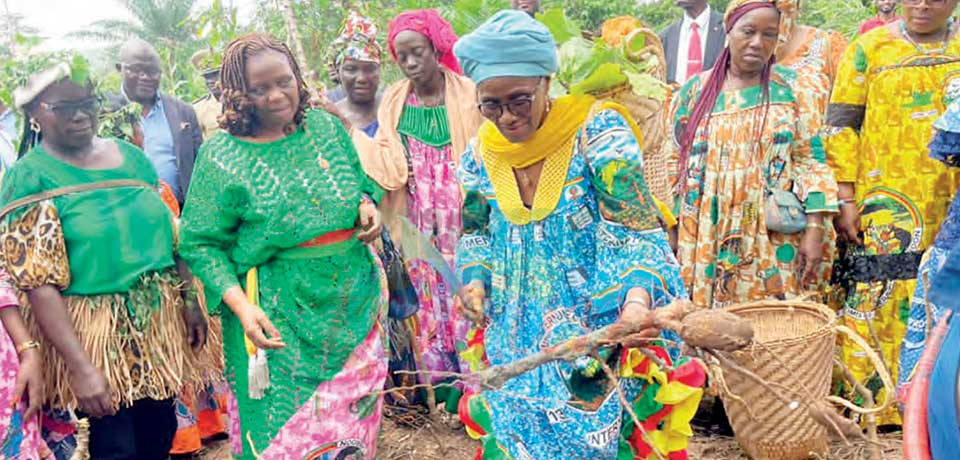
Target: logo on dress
{"x":347,"y":449}
{"x":573,"y":192}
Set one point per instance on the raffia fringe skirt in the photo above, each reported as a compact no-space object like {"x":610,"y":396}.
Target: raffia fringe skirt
{"x":149,"y":358}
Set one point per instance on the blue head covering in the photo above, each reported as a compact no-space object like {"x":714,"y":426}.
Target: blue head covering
{"x":510,"y":44}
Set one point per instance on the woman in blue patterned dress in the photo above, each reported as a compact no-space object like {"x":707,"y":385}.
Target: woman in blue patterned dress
{"x":945,"y":147}
{"x":938,"y":291}
{"x":561,"y":237}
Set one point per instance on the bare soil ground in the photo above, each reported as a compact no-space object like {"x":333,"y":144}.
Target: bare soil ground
{"x":430,"y":442}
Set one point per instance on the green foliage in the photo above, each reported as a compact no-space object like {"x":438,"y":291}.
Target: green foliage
{"x":217,"y":26}
{"x":19,"y":62}
{"x":591,"y":14}
{"x":843,"y":16}
{"x":561,"y":27}
{"x":169,"y":27}
{"x":592,"y":67}
{"x":119,"y":123}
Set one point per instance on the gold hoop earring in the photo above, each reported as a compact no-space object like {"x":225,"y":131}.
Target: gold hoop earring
{"x":34,"y":125}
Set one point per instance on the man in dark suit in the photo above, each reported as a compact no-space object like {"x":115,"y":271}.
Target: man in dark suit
{"x":171,"y":132}
{"x":693,"y":43}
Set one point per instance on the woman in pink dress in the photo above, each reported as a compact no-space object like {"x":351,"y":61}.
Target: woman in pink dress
{"x":426,"y":121}
{"x":21,"y":383}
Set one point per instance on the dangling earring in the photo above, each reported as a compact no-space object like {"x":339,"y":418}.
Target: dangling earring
{"x":34,"y":125}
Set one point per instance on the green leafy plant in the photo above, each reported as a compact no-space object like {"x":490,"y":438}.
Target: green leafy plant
{"x":590,"y":67}
{"x":119,"y":123}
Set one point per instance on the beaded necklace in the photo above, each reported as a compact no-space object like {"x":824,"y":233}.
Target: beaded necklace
{"x":920,"y":48}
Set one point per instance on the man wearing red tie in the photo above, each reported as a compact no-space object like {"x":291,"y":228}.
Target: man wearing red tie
{"x":693,"y":43}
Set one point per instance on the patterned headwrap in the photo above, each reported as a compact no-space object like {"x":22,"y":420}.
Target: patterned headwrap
{"x":430,"y":24}
{"x":357,"y":41}
{"x":711,"y":89}
{"x":509,"y":44}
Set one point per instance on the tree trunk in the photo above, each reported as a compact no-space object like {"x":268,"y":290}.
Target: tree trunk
{"x":293,"y":33}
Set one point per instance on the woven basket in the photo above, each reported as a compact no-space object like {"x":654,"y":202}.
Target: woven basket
{"x":794,"y":353}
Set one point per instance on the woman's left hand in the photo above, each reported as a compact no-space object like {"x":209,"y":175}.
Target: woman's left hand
{"x":811,"y":255}
{"x":196,"y":324}
{"x":30,"y":381}
{"x":368,"y":222}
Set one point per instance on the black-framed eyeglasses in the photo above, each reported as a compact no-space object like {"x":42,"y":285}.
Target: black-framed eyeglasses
{"x":929,"y":2}
{"x":68,"y":110}
{"x":143,"y":72}
{"x":519,"y":106}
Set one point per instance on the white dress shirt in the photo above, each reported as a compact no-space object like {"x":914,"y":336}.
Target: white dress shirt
{"x":683,"y":47}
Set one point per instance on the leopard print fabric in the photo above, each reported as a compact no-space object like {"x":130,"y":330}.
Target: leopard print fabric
{"x":33,"y":248}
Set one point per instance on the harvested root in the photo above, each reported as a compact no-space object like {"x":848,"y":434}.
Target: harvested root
{"x":716,"y":330}
{"x":694,"y":326}
{"x":829,"y":418}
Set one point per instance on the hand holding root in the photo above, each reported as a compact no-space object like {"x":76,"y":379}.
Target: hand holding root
{"x":713,"y":329}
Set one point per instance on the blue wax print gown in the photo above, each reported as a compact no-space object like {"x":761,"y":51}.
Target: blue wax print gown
{"x":944,"y":147}
{"x":938,"y":285}
{"x":556,"y":278}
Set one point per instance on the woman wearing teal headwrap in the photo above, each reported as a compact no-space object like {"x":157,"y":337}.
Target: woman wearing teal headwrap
{"x":562,"y":237}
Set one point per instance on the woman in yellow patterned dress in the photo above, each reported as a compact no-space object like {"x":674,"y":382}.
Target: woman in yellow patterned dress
{"x":741,"y":140}
{"x":893,"y":82}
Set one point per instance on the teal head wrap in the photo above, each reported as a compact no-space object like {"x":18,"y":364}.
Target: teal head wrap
{"x":510,"y":44}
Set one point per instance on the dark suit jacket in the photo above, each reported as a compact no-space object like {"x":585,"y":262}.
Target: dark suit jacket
{"x":184,"y":127}
{"x":716,"y":38}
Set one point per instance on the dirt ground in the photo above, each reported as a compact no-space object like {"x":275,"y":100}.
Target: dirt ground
{"x":441,"y":443}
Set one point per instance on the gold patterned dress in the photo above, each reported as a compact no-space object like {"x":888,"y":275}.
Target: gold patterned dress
{"x":887,"y":94}
{"x":815,"y":65}
{"x":726,"y":253}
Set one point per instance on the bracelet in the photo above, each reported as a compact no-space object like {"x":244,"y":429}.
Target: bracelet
{"x":636,"y":301}
{"x":815,"y":225}
{"x":30,"y":344}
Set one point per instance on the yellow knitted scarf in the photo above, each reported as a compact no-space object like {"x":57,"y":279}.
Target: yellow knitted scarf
{"x":553,"y":143}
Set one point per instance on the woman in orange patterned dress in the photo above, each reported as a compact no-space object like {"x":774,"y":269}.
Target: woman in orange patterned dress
{"x":741,"y":139}
{"x":812,"y":56}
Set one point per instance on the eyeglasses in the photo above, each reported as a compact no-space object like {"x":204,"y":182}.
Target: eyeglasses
{"x":68,"y":110}
{"x":143,"y":72}
{"x":519,"y":106}
{"x":929,"y":2}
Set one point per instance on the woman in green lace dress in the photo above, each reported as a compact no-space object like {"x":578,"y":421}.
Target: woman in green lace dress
{"x":282,"y":192}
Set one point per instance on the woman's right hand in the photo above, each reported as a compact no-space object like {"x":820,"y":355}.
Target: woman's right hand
{"x":93,"y":393}
{"x":848,"y":223}
{"x":30,"y":381}
{"x":258,"y":327}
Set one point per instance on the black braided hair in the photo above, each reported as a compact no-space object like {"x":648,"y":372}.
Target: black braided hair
{"x":239,"y":115}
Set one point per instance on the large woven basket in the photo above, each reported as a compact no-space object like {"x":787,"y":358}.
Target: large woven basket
{"x":793,"y":353}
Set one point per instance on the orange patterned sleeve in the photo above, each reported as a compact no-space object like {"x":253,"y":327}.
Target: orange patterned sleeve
{"x":838,"y":46}
{"x":169,"y":198}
